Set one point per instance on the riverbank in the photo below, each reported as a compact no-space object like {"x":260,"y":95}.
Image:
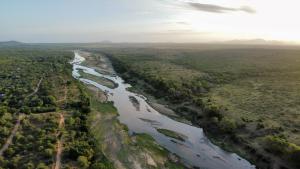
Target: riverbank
{"x":186,"y":141}
{"x":135,"y":151}
{"x":224,"y":140}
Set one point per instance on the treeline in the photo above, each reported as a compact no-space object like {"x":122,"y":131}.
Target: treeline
{"x":80,"y":145}
{"x":172,"y":90}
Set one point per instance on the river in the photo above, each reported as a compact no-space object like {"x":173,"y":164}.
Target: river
{"x":195,"y":150}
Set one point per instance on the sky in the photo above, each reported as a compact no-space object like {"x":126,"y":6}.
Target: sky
{"x":148,"y":20}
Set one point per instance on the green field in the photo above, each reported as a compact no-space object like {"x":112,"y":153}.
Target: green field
{"x":247,"y":96}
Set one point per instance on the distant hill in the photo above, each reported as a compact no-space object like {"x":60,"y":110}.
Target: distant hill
{"x":11,"y":44}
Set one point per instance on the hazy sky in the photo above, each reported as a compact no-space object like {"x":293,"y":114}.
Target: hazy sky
{"x":148,"y":20}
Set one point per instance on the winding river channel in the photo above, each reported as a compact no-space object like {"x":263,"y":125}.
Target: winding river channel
{"x":195,"y":150}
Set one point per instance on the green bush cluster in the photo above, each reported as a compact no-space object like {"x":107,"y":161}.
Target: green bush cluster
{"x":283,"y":148}
{"x":80,"y":144}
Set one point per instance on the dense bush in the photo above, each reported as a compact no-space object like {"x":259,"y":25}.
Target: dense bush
{"x":213,"y":111}
{"x":83,"y":162}
{"x":227,"y":125}
{"x":280,"y":146}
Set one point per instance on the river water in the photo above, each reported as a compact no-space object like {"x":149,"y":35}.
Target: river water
{"x":195,"y":151}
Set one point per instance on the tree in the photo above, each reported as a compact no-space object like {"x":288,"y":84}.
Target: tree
{"x":10,"y":151}
{"x":295,"y":157}
{"x":213,"y":111}
{"x":29,"y":165}
{"x":227,"y":125}
{"x":100,"y":165}
{"x":50,"y":100}
{"x":36,"y":102}
{"x":25,"y":110}
{"x":48,"y":152}
{"x":42,"y":166}
{"x":3,"y":110}
{"x":83,"y":161}
{"x":80,"y":148}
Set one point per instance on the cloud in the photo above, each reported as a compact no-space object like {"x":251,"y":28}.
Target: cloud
{"x":218,"y":9}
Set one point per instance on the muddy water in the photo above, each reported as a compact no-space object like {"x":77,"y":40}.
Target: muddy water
{"x":195,"y":151}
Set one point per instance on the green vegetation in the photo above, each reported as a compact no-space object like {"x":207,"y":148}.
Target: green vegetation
{"x":37,"y":88}
{"x":36,"y":138}
{"x":239,"y":95}
{"x":246,"y":99}
{"x":172,"y":134}
{"x":20,"y":74}
{"x":280,"y":146}
{"x":80,"y":145}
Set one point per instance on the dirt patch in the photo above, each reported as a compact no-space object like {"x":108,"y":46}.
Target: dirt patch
{"x":150,"y":160}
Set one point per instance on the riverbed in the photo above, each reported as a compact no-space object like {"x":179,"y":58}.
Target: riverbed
{"x":193,"y":147}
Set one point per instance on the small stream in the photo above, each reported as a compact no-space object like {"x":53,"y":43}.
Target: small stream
{"x":195,"y":150}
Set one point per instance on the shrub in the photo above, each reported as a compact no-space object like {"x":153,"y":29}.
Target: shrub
{"x":29,"y":165}
{"x":259,"y":126}
{"x":26,"y":110}
{"x":42,"y":166}
{"x":227,"y":125}
{"x":48,"y":152}
{"x":100,"y":165}
{"x":83,"y":161}
{"x":50,"y":100}
{"x":80,"y":148}
{"x":295,"y":158}
{"x":213,"y":111}
{"x":3,"y":110}
{"x":10,"y":151}
{"x":280,"y":146}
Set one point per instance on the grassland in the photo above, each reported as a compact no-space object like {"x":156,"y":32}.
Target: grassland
{"x":245,"y":98}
